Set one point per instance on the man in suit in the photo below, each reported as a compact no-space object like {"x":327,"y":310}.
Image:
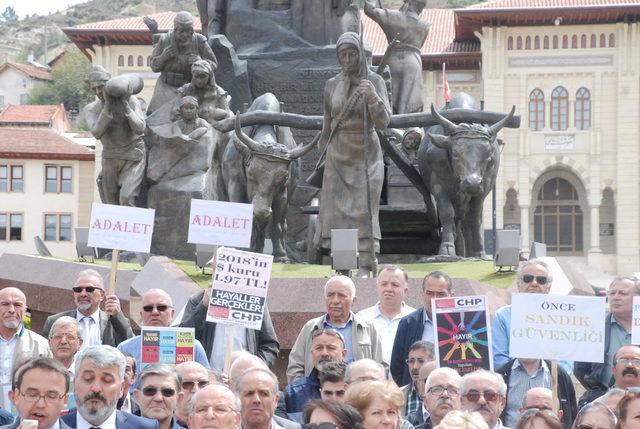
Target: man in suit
{"x":97,"y":386}
{"x":109,"y":327}
{"x":157,"y":394}
{"x":417,"y":325}
{"x":213,"y":336}
{"x":40,"y":393}
{"x":17,"y":343}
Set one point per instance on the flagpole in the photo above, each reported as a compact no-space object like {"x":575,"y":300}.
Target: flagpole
{"x":445,"y":86}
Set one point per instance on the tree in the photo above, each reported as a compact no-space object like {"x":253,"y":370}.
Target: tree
{"x":9,"y":15}
{"x":68,"y":86}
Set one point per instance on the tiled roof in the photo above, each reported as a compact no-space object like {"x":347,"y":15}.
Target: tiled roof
{"x":28,"y":114}
{"x":439,"y":41}
{"x":29,"y":70}
{"x":35,"y":143}
{"x":545,"y":4}
{"x":165,"y":23}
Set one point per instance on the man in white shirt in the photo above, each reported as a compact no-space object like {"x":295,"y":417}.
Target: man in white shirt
{"x":390,"y":308}
{"x":109,"y":327}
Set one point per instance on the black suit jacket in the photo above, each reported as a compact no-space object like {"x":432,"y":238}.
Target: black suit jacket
{"x":113,"y":329}
{"x":123,"y":421}
{"x":409,"y":331}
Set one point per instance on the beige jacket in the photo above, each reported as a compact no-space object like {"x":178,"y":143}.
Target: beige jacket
{"x":365,"y":342}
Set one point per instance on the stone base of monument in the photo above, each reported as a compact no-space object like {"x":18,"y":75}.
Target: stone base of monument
{"x":171,"y":226}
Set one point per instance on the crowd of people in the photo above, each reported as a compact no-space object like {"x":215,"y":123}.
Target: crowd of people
{"x":372,"y":369}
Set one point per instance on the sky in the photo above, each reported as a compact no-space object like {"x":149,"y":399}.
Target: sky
{"x":41,"y":7}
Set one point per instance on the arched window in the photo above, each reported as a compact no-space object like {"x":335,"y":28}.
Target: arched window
{"x":603,"y":41}
{"x":545,"y":42}
{"x":593,"y":43}
{"x":583,"y":109}
{"x":574,"y":41}
{"x":121,"y":61}
{"x":130,"y":61}
{"x":510,"y":43}
{"x":559,"y":109}
{"x":140,"y":61}
{"x":583,"y":41}
{"x":149,"y":61}
{"x":519,"y":43}
{"x":555,"y":42}
{"x":612,"y":40}
{"x":565,"y":42}
{"x":536,"y":42}
{"x":536,"y":110}
{"x":527,"y":43}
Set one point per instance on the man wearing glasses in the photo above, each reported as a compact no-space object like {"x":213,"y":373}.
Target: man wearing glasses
{"x":65,"y":340}
{"x":442,"y":395}
{"x":417,"y":325}
{"x":17,"y":343}
{"x":157,"y":394}
{"x":214,"y":406}
{"x":108,"y":327}
{"x":533,"y":276}
{"x":40,"y":393}
{"x":485,"y":392}
{"x":157,"y":310}
{"x":420,"y":353}
{"x":194,"y":378}
{"x":597,"y":377}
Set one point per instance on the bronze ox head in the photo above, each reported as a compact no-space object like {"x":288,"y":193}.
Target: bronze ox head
{"x":267,"y":169}
{"x":472,"y":149}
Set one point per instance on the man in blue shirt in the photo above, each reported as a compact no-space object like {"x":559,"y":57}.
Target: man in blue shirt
{"x":157,"y":310}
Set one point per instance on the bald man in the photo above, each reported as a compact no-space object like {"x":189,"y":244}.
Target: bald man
{"x":17,"y":343}
{"x":360,"y":336}
{"x":214,"y":406}
{"x":157,"y":311}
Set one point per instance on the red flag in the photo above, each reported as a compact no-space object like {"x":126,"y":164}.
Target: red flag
{"x":446,"y":92}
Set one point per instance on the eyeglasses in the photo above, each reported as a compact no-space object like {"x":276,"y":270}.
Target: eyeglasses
{"x":160,"y":308}
{"x":34,"y":396}
{"x":323,"y":425}
{"x":541,"y":280}
{"x":452,"y":391}
{"x":167,"y":392}
{"x":628,"y":361}
{"x":488,"y":395}
{"x":69,"y":337}
{"x":411,"y":361}
{"x":89,"y":289}
{"x":189,"y":385}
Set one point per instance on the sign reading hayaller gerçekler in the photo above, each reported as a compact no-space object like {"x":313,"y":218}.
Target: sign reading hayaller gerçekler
{"x":557,"y":327}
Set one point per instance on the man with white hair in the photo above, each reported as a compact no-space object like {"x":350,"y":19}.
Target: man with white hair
{"x":361,"y":337}
{"x":442,"y":395}
{"x":214,"y":406}
{"x":97,"y":387}
{"x":17,"y":343}
{"x":65,"y":340}
{"x":485,"y":392}
{"x":109,"y":327}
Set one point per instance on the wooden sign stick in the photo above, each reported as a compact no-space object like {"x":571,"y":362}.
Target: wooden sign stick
{"x":554,"y":386}
{"x":114,"y":271}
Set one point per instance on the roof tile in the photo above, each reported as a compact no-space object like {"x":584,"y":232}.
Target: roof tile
{"x":165,"y":23}
{"x":28,"y":114}
{"x":545,"y":4}
{"x":18,"y":143}
{"x":29,"y":70}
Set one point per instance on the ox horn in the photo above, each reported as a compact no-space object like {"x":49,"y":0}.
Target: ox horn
{"x":247,"y":141}
{"x":302,"y":150}
{"x":500,"y":124}
{"x":448,"y":126}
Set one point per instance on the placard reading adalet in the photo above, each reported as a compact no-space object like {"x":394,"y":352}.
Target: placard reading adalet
{"x":121,"y":227}
{"x":557,"y":327}
{"x":240,"y":285}
{"x":220,"y":223}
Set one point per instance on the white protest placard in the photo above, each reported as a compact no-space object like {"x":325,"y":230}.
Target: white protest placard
{"x":635,"y":325}
{"x":220,"y":223}
{"x":121,"y":227}
{"x":240,"y":285}
{"x":557,"y":327}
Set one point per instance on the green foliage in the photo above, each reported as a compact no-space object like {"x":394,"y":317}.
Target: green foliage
{"x":68,"y":86}
{"x":9,"y":15}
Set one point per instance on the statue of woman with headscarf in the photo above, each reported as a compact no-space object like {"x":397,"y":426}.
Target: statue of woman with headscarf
{"x":353,"y":154}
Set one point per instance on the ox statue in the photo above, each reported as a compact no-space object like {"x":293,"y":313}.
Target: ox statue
{"x":457,"y":167}
{"x":261,"y":168}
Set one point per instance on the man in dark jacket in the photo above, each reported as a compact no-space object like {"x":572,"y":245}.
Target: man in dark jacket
{"x":262,"y":343}
{"x":521,"y":375}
